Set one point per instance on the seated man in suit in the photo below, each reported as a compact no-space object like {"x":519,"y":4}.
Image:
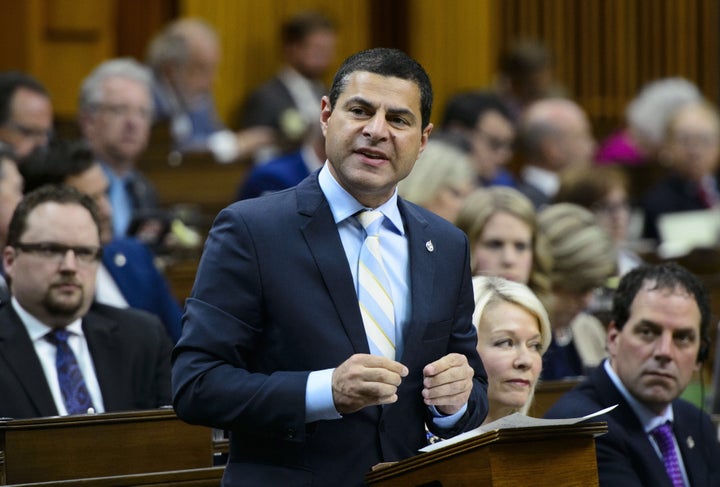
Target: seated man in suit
{"x":691,"y":149}
{"x":11,"y":192}
{"x":554,"y":135}
{"x":59,"y":353}
{"x":657,"y":339}
{"x":127,"y":275}
{"x":26,"y":114}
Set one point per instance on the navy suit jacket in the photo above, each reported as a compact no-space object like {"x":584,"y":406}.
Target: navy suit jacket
{"x":281,"y":173}
{"x":129,"y":349}
{"x":668,"y":196}
{"x":625,"y":455}
{"x":132,"y":267}
{"x":273,"y":300}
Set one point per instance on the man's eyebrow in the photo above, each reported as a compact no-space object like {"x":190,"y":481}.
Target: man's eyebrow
{"x":395,"y":111}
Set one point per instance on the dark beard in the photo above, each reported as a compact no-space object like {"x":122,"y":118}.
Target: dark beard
{"x":63,"y":309}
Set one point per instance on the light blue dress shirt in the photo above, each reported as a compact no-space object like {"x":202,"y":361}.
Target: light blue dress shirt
{"x":318,"y":397}
{"x":120,"y":201}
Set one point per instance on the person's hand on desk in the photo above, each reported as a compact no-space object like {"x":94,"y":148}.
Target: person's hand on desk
{"x":366,"y":380}
{"x":448,"y":383}
{"x":252,"y":139}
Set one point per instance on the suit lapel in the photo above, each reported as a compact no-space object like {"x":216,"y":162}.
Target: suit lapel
{"x":18,"y":352}
{"x":100,"y":335}
{"x":421,"y":252}
{"x":323,"y":240}
{"x":687,"y":441}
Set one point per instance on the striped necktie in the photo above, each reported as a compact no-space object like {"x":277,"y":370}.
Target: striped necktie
{"x":374,"y":294}
{"x":664,"y":437}
{"x":72,"y":385}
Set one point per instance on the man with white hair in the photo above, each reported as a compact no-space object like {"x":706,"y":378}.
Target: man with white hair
{"x":115,"y":115}
{"x":555,"y":134}
{"x":184,"y":58}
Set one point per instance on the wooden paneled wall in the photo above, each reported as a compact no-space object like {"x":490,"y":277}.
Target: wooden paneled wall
{"x":250,"y":38}
{"x":606,"y":50}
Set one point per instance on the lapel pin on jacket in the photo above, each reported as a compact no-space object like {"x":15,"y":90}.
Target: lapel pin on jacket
{"x":690,"y":442}
{"x":120,"y":260}
{"x":429,"y":245}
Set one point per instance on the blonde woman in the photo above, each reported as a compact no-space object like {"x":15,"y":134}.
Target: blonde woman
{"x":501,"y":227}
{"x":584,"y":257}
{"x":440,"y":181}
{"x":513,"y":334}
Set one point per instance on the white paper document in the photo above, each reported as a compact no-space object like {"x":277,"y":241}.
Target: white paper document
{"x":516,"y":420}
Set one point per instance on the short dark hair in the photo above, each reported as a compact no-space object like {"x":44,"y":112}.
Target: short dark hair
{"x":54,"y":165}
{"x":47,"y":194}
{"x":10,"y":82}
{"x":386,"y":62}
{"x":466,"y":108}
{"x":667,"y":275}
{"x":298,"y":27}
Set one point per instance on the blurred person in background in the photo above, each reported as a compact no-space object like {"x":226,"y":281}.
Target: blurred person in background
{"x":583,"y":258}
{"x":555,"y":135}
{"x":289,"y":102}
{"x":26,"y":114}
{"x":486,"y":125}
{"x":440,"y":180}
{"x":183,"y":58}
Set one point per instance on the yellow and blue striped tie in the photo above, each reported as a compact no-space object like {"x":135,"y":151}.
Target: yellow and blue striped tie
{"x":374,"y":294}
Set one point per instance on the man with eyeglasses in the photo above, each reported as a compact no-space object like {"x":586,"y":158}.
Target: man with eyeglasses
{"x":485,"y":126}
{"x":60,"y":353}
{"x":115,"y":115}
{"x":26,"y":115}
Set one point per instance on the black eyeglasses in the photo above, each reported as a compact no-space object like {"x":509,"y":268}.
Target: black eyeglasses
{"x":56,"y":251}
{"x":30,"y":132}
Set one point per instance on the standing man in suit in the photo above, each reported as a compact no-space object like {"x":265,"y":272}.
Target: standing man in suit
{"x":274,"y":345}
{"x":657,"y":339}
{"x":51,"y":337}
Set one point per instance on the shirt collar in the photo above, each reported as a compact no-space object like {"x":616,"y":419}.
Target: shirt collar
{"x":343,"y":205}
{"x":648,"y":418}
{"x":36,"y":328}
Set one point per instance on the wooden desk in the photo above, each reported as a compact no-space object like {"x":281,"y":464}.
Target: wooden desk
{"x":547,"y":393}
{"x":102,"y":445}
{"x":538,"y":456}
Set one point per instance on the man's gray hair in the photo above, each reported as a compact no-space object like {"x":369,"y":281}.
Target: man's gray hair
{"x":171,"y":47}
{"x":127,"y":68}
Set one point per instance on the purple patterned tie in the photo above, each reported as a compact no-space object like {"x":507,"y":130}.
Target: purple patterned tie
{"x":72,"y":385}
{"x":664,"y":437}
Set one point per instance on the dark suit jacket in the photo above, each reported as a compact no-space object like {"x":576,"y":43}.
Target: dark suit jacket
{"x":265,"y":104}
{"x":131,"y":265}
{"x":670,"y":195}
{"x":281,"y":173}
{"x":625,"y":455}
{"x":129,"y":349}
{"x":273,"y":300}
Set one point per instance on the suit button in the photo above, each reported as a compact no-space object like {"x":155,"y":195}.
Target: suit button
{"x":289,"y":433}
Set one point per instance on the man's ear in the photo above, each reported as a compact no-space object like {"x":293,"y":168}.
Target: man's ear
{"x":612,"y":335}
{"x":325,"y":112}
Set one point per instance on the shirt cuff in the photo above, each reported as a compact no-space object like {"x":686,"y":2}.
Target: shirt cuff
{"x":444,"y":421}
{"x":319,"y":402}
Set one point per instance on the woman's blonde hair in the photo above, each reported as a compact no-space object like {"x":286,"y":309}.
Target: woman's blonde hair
{"x":490,"y":290}
{"x":440,"y":165}
{"x":484,"y":203}
{"x":584,"y":256}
